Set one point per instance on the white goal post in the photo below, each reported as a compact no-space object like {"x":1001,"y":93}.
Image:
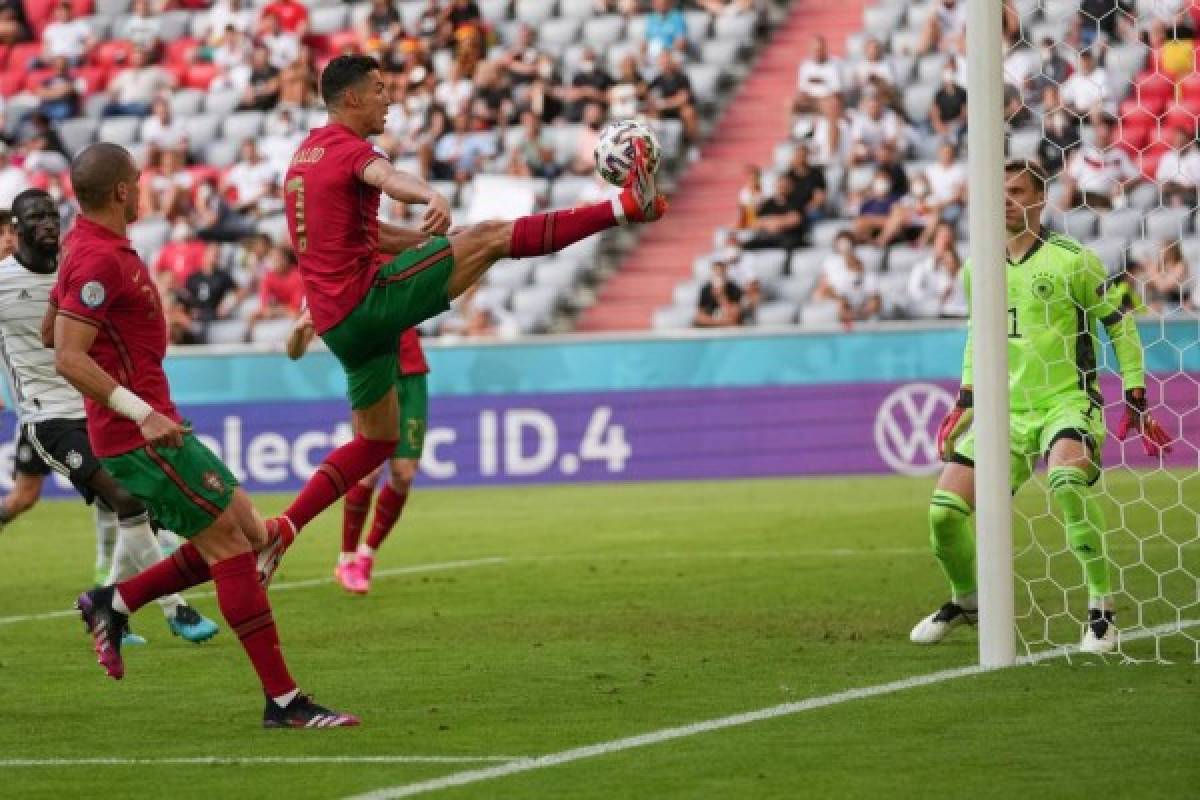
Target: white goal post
{"x":989,"y":308}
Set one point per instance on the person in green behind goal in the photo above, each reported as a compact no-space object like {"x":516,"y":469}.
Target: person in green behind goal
{"x":1056,"y":297}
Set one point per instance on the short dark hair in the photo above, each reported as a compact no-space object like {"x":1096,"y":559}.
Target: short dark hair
{"x":342,"y":73}
{"x":1037,"y":173}
{"x":96,"y":172}
{"x":27,"y":196}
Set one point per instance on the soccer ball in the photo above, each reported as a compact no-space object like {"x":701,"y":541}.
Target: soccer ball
{"x":614,"y":150}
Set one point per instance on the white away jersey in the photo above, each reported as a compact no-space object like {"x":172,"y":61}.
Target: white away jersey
{"x":37,"y":391}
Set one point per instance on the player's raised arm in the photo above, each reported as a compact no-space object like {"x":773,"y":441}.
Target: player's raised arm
{"x":73,"y":340}
{"x":1131,"y":360}
{"x":408,"y":188}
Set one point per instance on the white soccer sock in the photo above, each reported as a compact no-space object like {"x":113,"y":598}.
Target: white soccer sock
{"x":365,"y":551}
{"x":283,"y":699}
{"x":137,"y":549}
{"x":169,"y":541}
{"x":106,"y":537}
{"x":1104,"y":603}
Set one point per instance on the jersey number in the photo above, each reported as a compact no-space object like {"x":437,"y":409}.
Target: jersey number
{"x":296,"y":186}
{"x":1013,"y":332}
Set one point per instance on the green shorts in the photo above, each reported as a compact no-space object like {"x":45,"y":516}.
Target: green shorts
{"x":408,"y":290}
{"x":1033,"y":433}
{"x":413,"y":393}
{"x":185,"y":488}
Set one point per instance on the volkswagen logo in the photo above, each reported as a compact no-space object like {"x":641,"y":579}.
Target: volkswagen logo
{"x":906,"y":427}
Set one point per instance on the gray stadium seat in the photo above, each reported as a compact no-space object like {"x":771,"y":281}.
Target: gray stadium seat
{"x":272,"y":331}
{"x":797,"y":289}
{"x":673,"y":318}
{"x":918,"y":13}
{"x":1144,"y":250}
{"x":1123,"y":223}
{"x":872,"y":257}
{"x":929,"y":69}
{"x":1165,"y":224}
{"x":226,"y":331}
{"x":533,"y":12}
{"x":577,"y":9}
{"x":510,"y":274}
{"x":111,"y":8}
{"x":221,"y":153}
{"x":881,"y":20}
{"x":174,"y":25}
{"x":275,"y":226}
{"x":687,"y":294}
{"x":705,"y":80}
{"x":555,"y":274}
{"x":893,"y":291}
{"x":636,"y":29}
{"x":602,"y":31}
{"x":222,"y":103}
{"x":186,"y":102}
{"x":903,"y":259}
{"x":535,"y":302}
{"x":721,"y":53}
{"x":328,"y":19}
{"x":918,"y":98}
{"x":1079,"y":223}
{"x":558,"y":32}
{"x":820,"y":316}
{"x":698,"y":24}
{"x":77,"y":134}
{"x":1111,"y":252}
{"x":148,"y":236}
{"x":808,"y":261}
{"x":120,"y":130}
{"x":768,"y":265}
{"x":1024,"y":144}
{"x":202,"y":129}
{"x":494,"y":10}
{"x":242,"y":125}
{"x":778,"y":313}
{"x":565,"y":191}
{"x":824,"y":232}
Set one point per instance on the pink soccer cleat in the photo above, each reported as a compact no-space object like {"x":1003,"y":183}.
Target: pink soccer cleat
{"x":280,"y":535}
{"x":640,"y":200}
{"x":349,"y":577}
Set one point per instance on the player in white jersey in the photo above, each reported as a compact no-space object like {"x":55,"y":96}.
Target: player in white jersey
{"x":50,"y":415}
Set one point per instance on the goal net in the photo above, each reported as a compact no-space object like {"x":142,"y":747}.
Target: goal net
{"x":1105,"y":95}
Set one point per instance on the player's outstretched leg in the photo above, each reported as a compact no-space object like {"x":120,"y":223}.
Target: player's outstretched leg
{"x":388,"y":508}
{"x":106,"y":544}
{"x":954,"y":547}
{"x":355,"y":508}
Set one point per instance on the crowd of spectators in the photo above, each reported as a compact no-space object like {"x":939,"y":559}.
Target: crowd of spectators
{"x":873,"y":198}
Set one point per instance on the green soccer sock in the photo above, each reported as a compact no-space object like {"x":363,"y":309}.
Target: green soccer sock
{"x":1085,"y":521}
{"x":953,"y":544}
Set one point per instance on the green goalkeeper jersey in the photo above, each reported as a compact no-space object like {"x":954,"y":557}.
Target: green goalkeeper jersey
{"x":1056,"y":297}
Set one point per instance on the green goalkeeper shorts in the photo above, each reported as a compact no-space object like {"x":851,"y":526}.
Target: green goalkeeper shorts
{"x":412,"y":391}
{"x":185,"y":488}
{"x":1033,"y":433}
{"x":409,"y":289}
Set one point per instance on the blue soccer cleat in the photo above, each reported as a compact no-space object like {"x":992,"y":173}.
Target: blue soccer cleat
{"x":131,"y":639}
{"x":192,"y":625}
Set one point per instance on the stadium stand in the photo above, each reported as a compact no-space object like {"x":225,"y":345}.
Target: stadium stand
{"x":1104,"y":95}
{"x":494,"y":100}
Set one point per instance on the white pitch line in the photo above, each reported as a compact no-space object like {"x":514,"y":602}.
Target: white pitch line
{"x":735,"y":720}
{"x":215,"y":761}
{"x":415,"y":569}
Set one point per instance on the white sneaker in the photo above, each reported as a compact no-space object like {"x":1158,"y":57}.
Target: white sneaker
{"x":1100,"y":635}
{"x":934,"y":628}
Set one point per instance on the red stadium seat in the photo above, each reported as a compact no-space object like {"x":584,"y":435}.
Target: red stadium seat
{"x":200,"y":75}
{"x":1179,"y":117}
{"x":342,"y":39}
{"x":113,"y":53}
{"x":180,"y":52}
{"x":19,"y":56}
{"x":11,"y":83}
{"x":94,"y":78}
{"x":39,"y":12}
{"x":1148,"y":161}
{"x":1154,"y":91}
{"x":35,"y":78}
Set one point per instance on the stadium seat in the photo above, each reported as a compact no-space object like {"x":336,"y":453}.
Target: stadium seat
{"x":1078,"y":223}
{"x":274,"y":226}
{"x":808,"y":261}
{"x":202,"y":129}
{"x":328,"y":19}
{"x":673,"y":318}
{"x":222,"y":103}
{"x":602,"y":31}
{"x":872,"y":257}
{"x":533,"y":12}
{"x":1168,"y":224}
{"x":272,"y":331}
{"x":1111,"y":253}
{"x":200,"y":75}
{"x":577,"y":9}
{"x":221,"y":153}
{"x":797,"y":289}
{"x":1153,"y":91}
{"x":687,"y":294}
{"x":539,"y":301}
{"x":556,"y":274}
{"x":243,"y":125}
{"x":558,"y":33}
{"x":722,"y":53}
{"x":821,"y":316}
{"x":705,"y":80}
{"x":901,"y":259}
{"x":510,"y":274}
{"x":120,"y":130}
{"x":776,"y":314}
{"x":917,"y":100}
{"x":186,"y":102}
{"x":767,"y":265}
{"x":1024,"y":144}
{"x":494,"y":10}
{"x":698,"y":24}
{"x":148,"y":236}
{"x":77,"y":134}
{"x":111,"y":8}
{"x":929,"y":70}
{"x":1121,"y":223}
{"x":226,"y":331}
{"x":824,"y":232}
{"x":1145,"y":197}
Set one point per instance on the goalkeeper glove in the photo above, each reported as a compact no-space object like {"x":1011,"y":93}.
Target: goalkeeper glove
{"x":1137,"y":418}
{"x":955,"y":423}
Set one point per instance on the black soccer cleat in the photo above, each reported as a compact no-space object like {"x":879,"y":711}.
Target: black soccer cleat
{"x":302,"y":712}
{"x":107,"y":626}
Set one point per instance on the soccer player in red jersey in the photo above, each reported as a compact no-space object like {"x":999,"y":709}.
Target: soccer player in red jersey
{"x":359,"y":308}
{"x":110,"y":339}
{"x":356,"y":561}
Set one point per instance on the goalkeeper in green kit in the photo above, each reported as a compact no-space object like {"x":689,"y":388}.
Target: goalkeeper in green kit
{"x":1055,"y":303}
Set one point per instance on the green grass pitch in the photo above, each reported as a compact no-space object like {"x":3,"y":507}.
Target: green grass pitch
{"x":524,"y":622}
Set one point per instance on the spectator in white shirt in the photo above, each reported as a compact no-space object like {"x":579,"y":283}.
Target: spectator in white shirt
{"x":875,"y":70}
{"x":283,"y":46}
{"x":135,"y":87}
{"x":1086,"y":91}
{"x":13,"y":179}
{"x":235,"y":50}
{"x":819,"y":77}
{"x":948,"y":182}
{"x":252,"y":180}
{"x":935,"y":285}
{"x":143,"y":26}
{"x":65,"y":37}
{"x":945,"y":27}
{"x":1099,"y":174}
{"x":226,"y":14}
{"x":161,"y":129}
{"x":828,"y":136}
{"x":873,"y":125}
{"x":845,"y":281}
{"x":1178,"y":174}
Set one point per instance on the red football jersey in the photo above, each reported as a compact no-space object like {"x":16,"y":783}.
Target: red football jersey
{"x":290,"y":14}
{"x":103,"y":282}
{"x":412,"y":357}
{"x":333,"y":219}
